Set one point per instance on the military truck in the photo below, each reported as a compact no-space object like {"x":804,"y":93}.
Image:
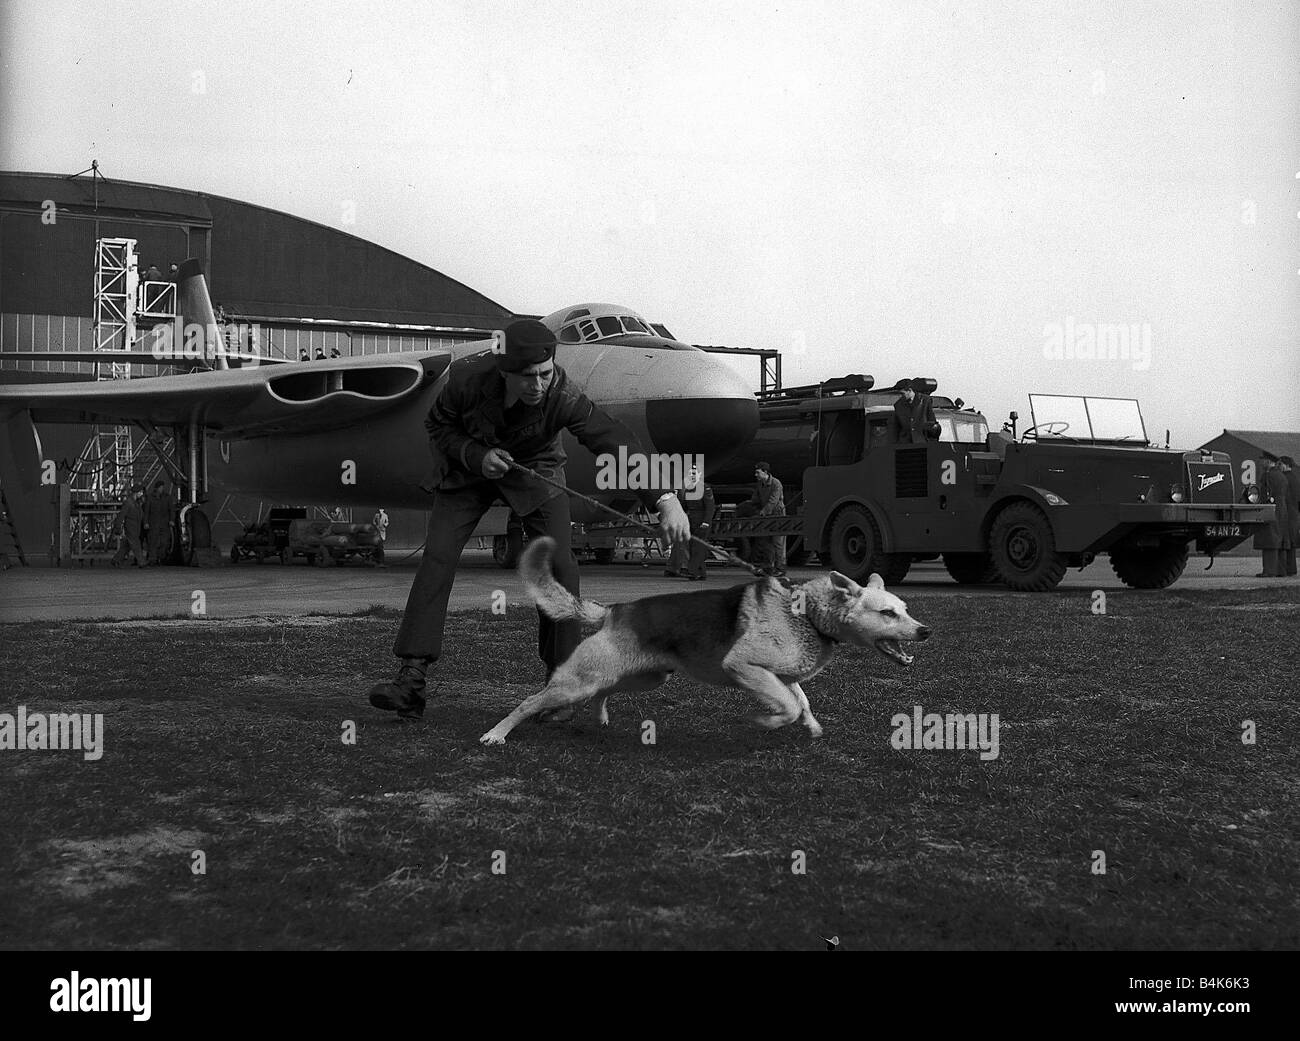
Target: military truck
{"x":1083,"y":479}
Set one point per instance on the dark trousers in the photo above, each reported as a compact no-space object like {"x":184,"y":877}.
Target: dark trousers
{"x":1275,"y":562}
{"x":688,"y":561}
{"x":452,"y":519}
{"x":159,"y":542}
{"x":129,"y":545}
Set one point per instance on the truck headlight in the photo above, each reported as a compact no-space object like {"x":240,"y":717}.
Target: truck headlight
{"x":1252,"y":495}
{"x":1176,"y":493}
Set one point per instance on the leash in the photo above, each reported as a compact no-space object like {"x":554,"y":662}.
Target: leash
{"x":650,"y":528}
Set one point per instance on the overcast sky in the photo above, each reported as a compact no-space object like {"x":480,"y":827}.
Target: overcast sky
{"x":929,"y":188}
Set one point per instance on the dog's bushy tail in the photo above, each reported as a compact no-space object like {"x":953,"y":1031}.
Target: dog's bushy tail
{"x":552,"y":598}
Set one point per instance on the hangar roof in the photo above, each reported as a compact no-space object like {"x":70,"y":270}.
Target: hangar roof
{"x":1272,"y":442}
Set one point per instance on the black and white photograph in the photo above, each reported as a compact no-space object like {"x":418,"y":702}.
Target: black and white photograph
{"x":724,"y":475}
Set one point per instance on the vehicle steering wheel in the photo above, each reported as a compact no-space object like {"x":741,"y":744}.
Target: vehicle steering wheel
{"x":1052,"y":428}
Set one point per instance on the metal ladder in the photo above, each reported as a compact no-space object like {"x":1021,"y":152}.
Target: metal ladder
{"x":9,"y":544}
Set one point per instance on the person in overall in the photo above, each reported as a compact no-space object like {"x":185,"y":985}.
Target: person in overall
{"x":497,"y":408}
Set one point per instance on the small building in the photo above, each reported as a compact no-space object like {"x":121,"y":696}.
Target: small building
{"x":1247,"y":448}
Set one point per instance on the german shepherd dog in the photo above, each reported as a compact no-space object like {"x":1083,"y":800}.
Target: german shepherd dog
{"x":761,"y":636}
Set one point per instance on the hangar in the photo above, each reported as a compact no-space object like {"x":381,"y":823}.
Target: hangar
{"x":303,"y":286}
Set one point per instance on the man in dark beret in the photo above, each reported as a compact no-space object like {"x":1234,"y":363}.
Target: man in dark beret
{"x":914,"y":420}
{"x":509,"y":405}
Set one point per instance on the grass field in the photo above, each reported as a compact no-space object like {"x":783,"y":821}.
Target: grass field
{"x":1119,"y":733}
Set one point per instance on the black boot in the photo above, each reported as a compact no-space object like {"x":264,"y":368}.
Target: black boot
{"x":405,"y":694}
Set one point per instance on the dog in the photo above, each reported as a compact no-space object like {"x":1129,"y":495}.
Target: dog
{"x":762,"y":636}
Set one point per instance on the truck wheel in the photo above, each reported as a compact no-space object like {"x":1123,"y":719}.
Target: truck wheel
{"x":604,"y":555}
{"x":1024,"y":549}
{"x":970,"y":569}
{"x":854,"y":543}
{"x":1150,"y":568}
{"x":506,"y":549}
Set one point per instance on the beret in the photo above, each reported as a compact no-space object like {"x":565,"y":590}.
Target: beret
{"x":527,"y":342}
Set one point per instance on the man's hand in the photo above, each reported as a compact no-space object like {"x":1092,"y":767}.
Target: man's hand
{"x":496,"y":463}
{"x":673,"y":525}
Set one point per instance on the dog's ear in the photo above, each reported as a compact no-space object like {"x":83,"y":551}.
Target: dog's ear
{"x":844,"y":582}
{"x":875,"y":582}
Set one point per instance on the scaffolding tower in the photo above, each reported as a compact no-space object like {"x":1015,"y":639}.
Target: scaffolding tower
{"x":124,"y":307}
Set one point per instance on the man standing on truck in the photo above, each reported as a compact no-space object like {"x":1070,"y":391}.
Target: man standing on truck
{"x":497,"y":409}
{"x":914,"y":415}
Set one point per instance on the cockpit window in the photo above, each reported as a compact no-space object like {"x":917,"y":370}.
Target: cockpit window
{"x":580,"y":312}
{"x":569,"y":334}
{"x":635,"y":325}
{"x":609,"y":326}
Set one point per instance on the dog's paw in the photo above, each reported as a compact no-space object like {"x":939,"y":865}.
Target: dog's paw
{"x":770,"y":721}
{"x":491,"y":739}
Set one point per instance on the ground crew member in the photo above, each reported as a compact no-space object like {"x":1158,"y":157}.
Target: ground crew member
{"x":914,"y":421}
{"x":496,"y":408}
{"x":1293,"y":511}
{"x":159,"y":514}
{"x":768,"y":500}
{"x":380,"y":521}
{"x":1276,"y":538}
{"x":128,"y":524}
{"x":689,"y":563}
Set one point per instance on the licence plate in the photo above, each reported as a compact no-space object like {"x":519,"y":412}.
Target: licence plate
{"x":1222,"y":531}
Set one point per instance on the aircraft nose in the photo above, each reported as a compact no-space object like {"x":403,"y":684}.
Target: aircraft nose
{"x":715,"y":427}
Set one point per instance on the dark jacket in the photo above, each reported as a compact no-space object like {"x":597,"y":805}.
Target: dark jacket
{"x":469,"y":418}
{"x":129,"y":519}
{"x":911,"y":421}
{"x":769,"y":498}
{"x":698,"y":511}
{"x":1278,"y":534}
{"x":159,"y":510}
{"x":1293,"y":487}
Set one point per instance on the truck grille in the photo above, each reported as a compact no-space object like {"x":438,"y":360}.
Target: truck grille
{"x":911,"y":474}
{"x":1209,"y":482}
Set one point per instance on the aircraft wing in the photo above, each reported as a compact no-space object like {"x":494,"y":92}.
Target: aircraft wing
{"x":238,"y":403}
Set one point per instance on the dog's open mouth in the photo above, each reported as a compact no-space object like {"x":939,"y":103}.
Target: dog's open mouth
{"x":894,"y":649}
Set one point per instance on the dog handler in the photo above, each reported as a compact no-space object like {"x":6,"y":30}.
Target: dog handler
{"x":495,"y":409}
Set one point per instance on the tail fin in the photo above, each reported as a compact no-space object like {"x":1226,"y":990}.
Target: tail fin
{"x":552,"y":598}
{"x":196,"y":309}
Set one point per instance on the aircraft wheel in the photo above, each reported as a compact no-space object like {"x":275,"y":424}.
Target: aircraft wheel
{"x":1150,"y":568}
{"x":970,"y":569}
{"x":1023,"y":548}
{"x":196,"y":533}
{"x":506,"y":549}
